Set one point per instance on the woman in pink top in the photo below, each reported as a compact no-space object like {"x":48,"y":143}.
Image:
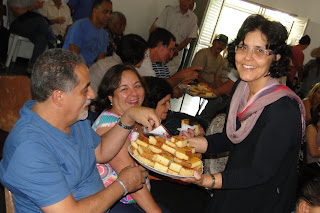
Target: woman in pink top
{"x":120,"y":89}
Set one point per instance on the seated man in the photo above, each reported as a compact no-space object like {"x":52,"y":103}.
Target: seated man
{"x":50,"y":155}
{"x":228,"y":78}
{"x":211,"y":61}
{"x":26,"y":21}
{"x":59,"y":17}
{"x":214,"y":106}
{"x":115,"y":28}
{"x":161,"y":45}
{"x":87,"y":36}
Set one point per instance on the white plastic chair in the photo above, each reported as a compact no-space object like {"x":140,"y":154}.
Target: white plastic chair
{"x":18,"y":46}
{"x":217,"y":162}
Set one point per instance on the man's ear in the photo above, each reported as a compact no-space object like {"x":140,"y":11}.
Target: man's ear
{"x":278,"y":56}
{"x":303,"y":207}
{"x":94,"y":10}
{"x":57,"y":97}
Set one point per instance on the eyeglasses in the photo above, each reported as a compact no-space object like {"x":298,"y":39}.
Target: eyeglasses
{"x":171,"y":49}
{"x":105,"y":11}
{"x":258,"y":52}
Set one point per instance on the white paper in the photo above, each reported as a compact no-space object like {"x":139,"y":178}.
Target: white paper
{"x":160,"y":130}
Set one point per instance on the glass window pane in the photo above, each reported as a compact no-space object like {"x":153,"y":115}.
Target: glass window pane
{"x":226,"y":18}
{"x":230,"y":22}
{"x":284,"y":18}
{"x":245,"y":5}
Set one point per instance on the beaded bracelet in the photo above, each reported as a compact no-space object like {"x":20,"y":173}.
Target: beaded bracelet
{"x":124,"y":187}
{"x":124,"y":126}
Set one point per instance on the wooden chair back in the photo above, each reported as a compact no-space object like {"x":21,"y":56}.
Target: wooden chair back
{"x":14,"y":92}
{"x":9,"y":201}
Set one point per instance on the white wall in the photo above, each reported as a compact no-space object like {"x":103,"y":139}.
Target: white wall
{"x":141,"y":14}
{"x":307,"y":9}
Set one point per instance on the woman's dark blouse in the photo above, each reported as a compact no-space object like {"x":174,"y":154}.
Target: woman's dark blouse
{"x":261,"y":172}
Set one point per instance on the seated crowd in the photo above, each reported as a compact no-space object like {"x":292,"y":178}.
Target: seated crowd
{"x":93,"y":97}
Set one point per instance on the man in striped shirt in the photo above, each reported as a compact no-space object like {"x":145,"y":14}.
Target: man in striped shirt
{"x":161,"y":45}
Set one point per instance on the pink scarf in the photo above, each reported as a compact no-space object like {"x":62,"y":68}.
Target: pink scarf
{"x":249,"y":111}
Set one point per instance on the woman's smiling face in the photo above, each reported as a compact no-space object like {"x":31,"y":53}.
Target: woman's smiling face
{"x":252,"y":69}
{"x":129,"y":93}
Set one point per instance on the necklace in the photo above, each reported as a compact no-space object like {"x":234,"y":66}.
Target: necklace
{"x":116,"y":111}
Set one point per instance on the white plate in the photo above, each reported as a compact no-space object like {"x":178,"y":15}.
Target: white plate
{"x":186,"y":88}
{"x":155,"y":170}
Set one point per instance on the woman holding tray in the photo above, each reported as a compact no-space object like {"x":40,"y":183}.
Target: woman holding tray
{"x":264,"y":127}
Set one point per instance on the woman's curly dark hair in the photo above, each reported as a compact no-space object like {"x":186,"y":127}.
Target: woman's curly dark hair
{"x":276,"y":35}
{"x":109,"y":83}
{"x":155,"y":90}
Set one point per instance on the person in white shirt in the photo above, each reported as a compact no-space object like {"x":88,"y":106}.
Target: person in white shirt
{"x":59,"y":16}
{"x":182,"y":23}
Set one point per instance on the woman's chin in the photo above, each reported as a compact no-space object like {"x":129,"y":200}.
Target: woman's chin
{"x":163,"y":117}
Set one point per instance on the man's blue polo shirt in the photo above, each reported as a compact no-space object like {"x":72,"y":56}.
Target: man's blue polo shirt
{"x":43,"y":165}
{"x":91,"y":40}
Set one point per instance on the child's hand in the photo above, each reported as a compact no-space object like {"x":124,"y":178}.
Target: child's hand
{"x":187,"y":134}
{"x":201,"y":132}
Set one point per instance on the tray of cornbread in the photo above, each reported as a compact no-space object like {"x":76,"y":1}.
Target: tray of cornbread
{"x":201,"y":90}
{"x":172,"y":158}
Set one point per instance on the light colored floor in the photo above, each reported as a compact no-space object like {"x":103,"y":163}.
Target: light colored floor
{"x":190,"y":104}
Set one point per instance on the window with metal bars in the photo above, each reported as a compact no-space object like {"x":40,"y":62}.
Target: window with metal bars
{"x":227,"y":16}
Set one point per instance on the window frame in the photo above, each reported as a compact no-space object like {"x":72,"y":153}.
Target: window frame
{"x":213,"y":15}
